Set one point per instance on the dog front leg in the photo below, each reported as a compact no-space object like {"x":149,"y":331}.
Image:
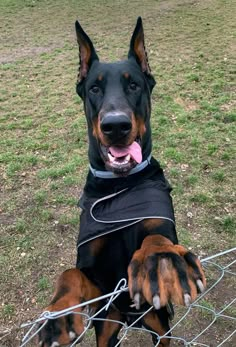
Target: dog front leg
{"x":108,"y":329}
{"x":72,"y":288}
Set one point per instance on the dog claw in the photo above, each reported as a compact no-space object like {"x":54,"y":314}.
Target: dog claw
{"x":55,"y":344}
{"x":187,"y":300}
{"x":137,"y":301}
{"x":200,"y":286}
{"x":40,"y":343}
{"x":72,"y":335}
{"x":156,"y":302}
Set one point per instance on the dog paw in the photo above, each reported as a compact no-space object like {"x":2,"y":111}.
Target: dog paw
{"x":72,"y":289}
{"x":164,"y":273}
{"x":61,"y":331}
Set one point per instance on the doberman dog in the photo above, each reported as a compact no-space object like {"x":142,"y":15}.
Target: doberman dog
{"x":127,"y":227}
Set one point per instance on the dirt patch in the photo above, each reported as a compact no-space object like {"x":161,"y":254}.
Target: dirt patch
{"x":229,"y":106}
{"x":27,"y":52}
{"x":188,"y":105}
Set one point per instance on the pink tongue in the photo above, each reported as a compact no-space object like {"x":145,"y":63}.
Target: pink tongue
{"x":134,"y":150}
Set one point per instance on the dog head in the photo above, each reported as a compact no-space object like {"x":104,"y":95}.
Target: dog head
{"x":117,"y":104}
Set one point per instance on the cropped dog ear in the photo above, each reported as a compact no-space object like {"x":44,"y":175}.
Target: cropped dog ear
{"x":87,"y":53}
{"x":137,"y":50}
{"x":137,"y":47}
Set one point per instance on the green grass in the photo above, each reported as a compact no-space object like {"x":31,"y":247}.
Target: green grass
{"x":229,"y":225}
{"x":20,"y":225}
{"x":43,"y":142}
{"x":8,"y":311}
{"x":43,"y":283}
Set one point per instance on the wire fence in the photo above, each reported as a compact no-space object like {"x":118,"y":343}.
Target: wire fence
{"x":209,"y":321}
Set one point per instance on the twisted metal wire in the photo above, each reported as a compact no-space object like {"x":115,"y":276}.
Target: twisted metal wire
{"x":121,"y":287}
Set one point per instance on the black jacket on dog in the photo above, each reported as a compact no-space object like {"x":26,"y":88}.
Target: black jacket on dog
{"x":128,"y":205}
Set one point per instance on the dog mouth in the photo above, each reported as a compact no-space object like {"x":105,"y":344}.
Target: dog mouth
{"x":121,"y":159}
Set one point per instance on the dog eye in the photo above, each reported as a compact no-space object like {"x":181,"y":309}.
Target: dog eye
{"x":133,"y":86}
{"x":94,"y":90}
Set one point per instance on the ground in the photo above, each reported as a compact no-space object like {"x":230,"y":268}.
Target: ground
{"x":43,"y":142}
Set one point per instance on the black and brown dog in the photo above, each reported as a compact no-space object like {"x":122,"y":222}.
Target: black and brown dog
{"x":127,"y":227}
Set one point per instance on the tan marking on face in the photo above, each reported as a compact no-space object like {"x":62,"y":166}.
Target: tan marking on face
{"x":126,"y":75}
{"x":95,"y":128}
{"x":97,"y":132}
{"x":138,"y":128}
{"x":134,"y":132}
{"x":141,"y":126}
{"x":100,"y":77}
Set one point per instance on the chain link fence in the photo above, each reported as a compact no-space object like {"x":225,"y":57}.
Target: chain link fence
{"x":210,"y":321}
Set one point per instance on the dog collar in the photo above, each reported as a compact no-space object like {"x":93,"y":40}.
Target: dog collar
{"x":108,"y":174}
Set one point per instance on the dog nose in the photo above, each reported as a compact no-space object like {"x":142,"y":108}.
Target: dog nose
{"x":116,"y":126}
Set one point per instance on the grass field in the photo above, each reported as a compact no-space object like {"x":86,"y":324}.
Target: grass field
{"x":43,"y":142}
